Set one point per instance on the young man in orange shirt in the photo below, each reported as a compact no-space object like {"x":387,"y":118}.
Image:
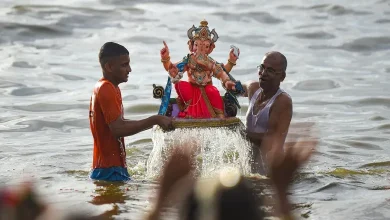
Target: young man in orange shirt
{"x":107,"y":124}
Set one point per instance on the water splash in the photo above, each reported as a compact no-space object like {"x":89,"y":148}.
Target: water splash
{"x":219,"y":148}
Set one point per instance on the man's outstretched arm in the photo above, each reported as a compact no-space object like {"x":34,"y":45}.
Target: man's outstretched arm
{"x":111,"y":107}
{"x":250,"y":88}
{"x":123,"y":128}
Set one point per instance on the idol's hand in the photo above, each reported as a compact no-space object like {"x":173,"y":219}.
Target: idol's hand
{"x":164,"y":52}
{"x":230,"y":85}
{"x":173,"y":70}
{"x":234,"y":54}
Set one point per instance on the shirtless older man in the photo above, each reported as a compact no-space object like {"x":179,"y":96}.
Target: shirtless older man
{"x":270,"y":109}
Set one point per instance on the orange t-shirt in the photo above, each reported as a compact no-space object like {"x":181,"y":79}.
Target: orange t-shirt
{"x":105,"y":107}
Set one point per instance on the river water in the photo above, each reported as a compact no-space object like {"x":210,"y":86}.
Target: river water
{"x":338,"y":77}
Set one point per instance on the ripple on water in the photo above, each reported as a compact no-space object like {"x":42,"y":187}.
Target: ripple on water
{"x":250,"y":71}
{"x":342,"y":152}
{"x":28,"y":91}
{"x":321,"y":35}
{"x":231,"y":16}
{"x":331,"y":187}
{"x":38,"y":125}
{"x":253,"y":40}
{"x":11,"y":118}
{"x":244,"y":5}
{"x":302,"y":115}
{"x":377,"y":164}
{"x":22,"y":64}
{"x":142,"y":109}
{"x":134,"y":11}
{"x":8,"y":84}
{"x":382,"y":21}
{"x":85,"y":21}
{"x":362,"y":145}
{"x":250,"y":40}
{"x":43,"y":46}
{"x":140,"y":141}
{"x":262,"y":17}
{"x":378,"y":118}
{"x":374,"y":101}
{"x":338,"y":147}
{"x":45,"y":107}
{"x":370,"y":138}
{"x":337,"y":10}
{"x":146,"y":39}
{"x":384,"y":127}
{"x":320,"y":17}
{"x":77,"y":173}
{"x":70,"y":77}
{"x":331,"y":9}
{"x":289,"y":7}
{"x":130,"y":98}
{"x":307,"y":26}
{"x":358,"y":103}
{"x":365,"y":44}
{"x":316,"y":85}
{"x":131,"y":86}
{"x":47,"y":11}
{"x":176,"y":2}
{"x":30,"y":32}
{"x":69,"y":17}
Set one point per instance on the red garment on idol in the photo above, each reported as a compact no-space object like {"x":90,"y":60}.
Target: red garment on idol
{"x":199,"y":101}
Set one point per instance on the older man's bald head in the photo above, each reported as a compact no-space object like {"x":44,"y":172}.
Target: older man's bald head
{"x":281,"y":59}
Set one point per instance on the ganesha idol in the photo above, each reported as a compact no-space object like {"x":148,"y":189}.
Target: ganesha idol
{"x":198,"y":98}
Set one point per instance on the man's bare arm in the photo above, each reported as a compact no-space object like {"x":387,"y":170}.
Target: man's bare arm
{"x":123,"y":128}
{"x":250,"y":88}
{"x":278,"y":124}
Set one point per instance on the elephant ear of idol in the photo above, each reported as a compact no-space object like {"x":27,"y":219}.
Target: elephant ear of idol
{"x":215,"y":35}
{"x":190,"y":32}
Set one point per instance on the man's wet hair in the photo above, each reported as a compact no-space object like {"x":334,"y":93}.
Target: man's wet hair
{"x":111,"y":50}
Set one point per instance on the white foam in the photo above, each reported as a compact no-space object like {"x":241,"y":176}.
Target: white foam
{"x":219,"y":148}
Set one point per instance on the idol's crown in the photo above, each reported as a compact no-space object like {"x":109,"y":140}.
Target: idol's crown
{"x":202,"y":32}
